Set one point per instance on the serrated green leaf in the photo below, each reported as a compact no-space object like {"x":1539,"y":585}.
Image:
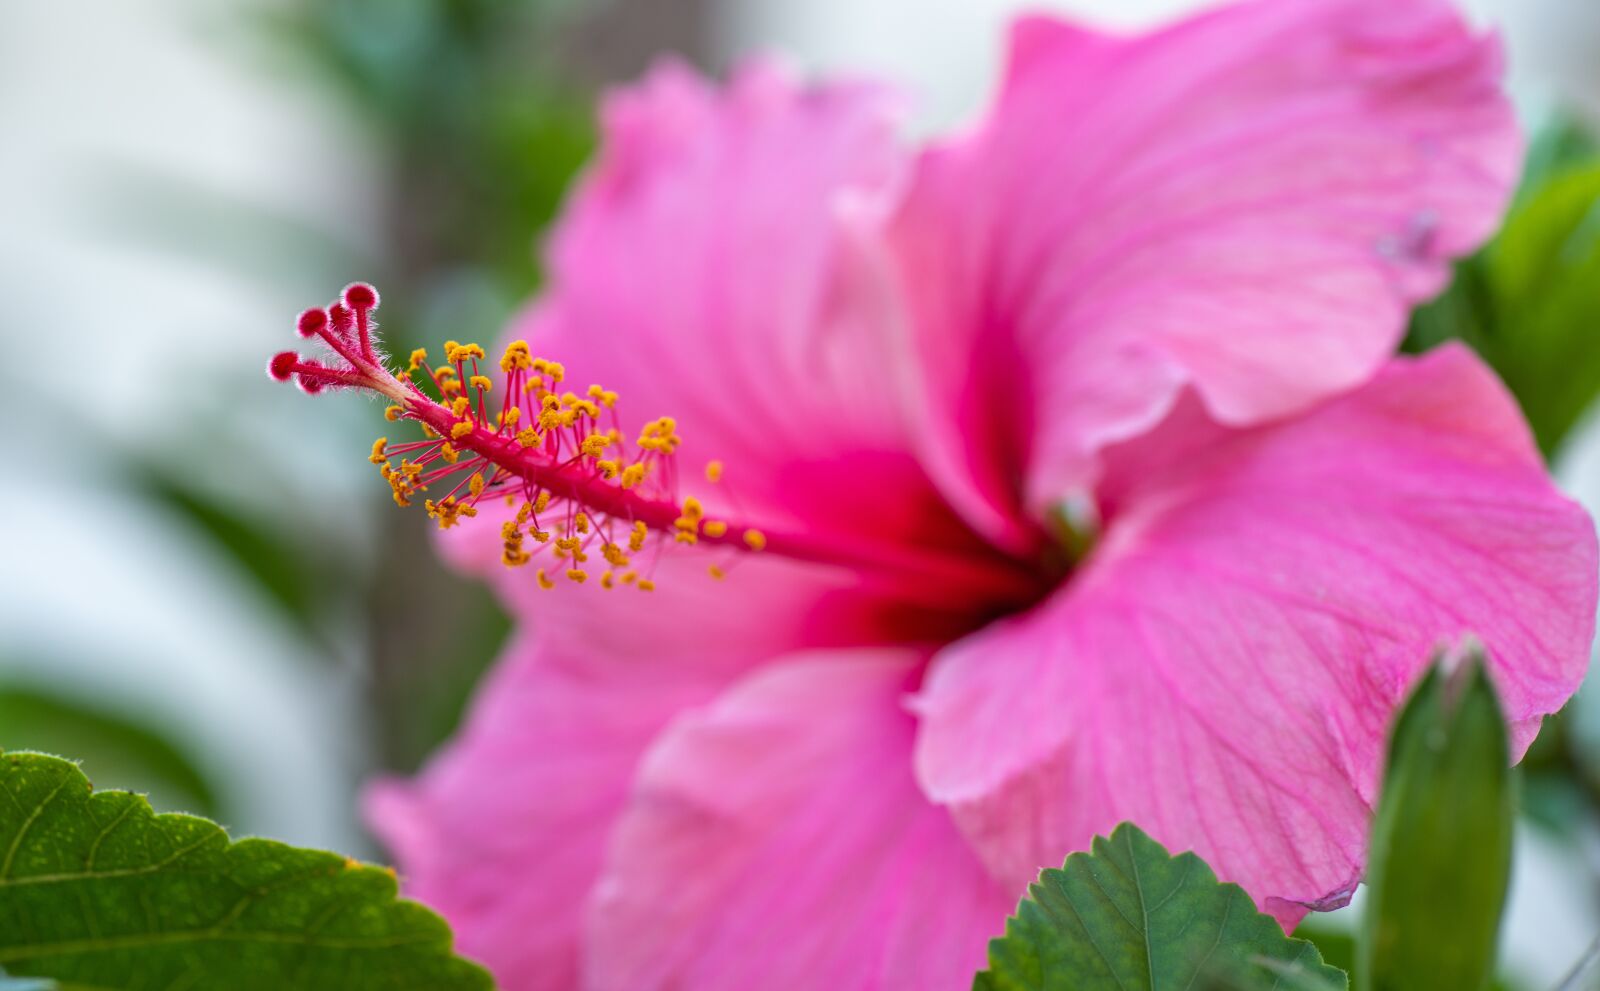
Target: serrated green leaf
{"x":96,"y":890}
{"x":1128,"y":916}
{"x":1441,"y":840}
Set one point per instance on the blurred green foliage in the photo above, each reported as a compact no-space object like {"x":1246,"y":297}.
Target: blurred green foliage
{"x":115,"y":745}
{"x":479,"y":132}
{"x":1529,"y":302}
{"x":292,"y":569}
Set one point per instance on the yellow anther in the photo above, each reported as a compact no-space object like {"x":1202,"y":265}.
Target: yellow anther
{"x":646,"y":585}
{"x":714,"y":471}
{"x":692,"y":510}
{"x":417,"y":358}
{"x":539,"y":536}
{"x":555,"y":370}
{"x":544,"y":580}
{"x":509,"y":529}
{"x":714,"y":528}
{"x":516,"y":356}
{"x":461,"y":429}
{"x":607,"y":580}
{"x":595,"y":392}
{"x":449,"y":387}
{"x":578,"y":575}
{"x":462,"y":352}
{"x":716,"y":572}
{"x":448,"y":511}
{"x":392,"y":413}
{"x":428,"y":431}
{"x":608,"y":399}
{"x":637,"y":537}
{"x":629,"y":577}
{"x":613,"y":555}
{"x":514,"y":557}
{"x":448,"y":451}
{"x":581,"y":522}
{"x":461,"y":406}
{"x":511,"y":417}
{"x":444,"y":372}
{"x":633,"y":475}
{"x":608,"y":469}
{"x":528,"y":437}
{"x":594,"y":445}
{"x":541,"y":502}
{"x":480,"y":382}
{"x":378,"y":456}
{"x":686,"y":537}
{"x":755,"y":540}
{"x":476,"y":483}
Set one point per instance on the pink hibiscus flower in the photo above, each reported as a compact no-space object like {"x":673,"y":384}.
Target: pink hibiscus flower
{"x":1150,"y":300}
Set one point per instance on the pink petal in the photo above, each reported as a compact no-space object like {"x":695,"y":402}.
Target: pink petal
{"x":778,"y":841}
{"x":504,"y":831}
{"x":1223,"y":670}
{"x":1247,"y":202}
{"x":712,"y":268}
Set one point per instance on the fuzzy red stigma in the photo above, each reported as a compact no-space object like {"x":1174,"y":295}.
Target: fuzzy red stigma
{"x":312,"y":322}
{"x":282,"y":365}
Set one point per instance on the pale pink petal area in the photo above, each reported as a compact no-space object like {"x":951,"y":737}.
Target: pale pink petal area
{"x":1223,"y":669}
{"x":1247,"y":202}
{"x":504,"y":830}
{"x":776,"y":840}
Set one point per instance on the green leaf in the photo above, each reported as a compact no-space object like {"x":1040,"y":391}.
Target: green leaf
{"x":1128,"y":916}
{"x":97,"y":891}
{"x":1441,"y":839}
